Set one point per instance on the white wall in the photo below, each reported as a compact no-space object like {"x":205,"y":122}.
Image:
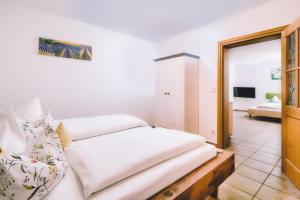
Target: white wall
{"x":256,"y":75}
{"x":250,"y":66}
{"x":203,"y":42}
{"x":120,"y":79}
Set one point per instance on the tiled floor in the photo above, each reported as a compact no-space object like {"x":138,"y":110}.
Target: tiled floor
{"x":257,"y":147}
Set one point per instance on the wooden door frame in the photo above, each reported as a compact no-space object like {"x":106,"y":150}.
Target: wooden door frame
{"x":262,"y":36}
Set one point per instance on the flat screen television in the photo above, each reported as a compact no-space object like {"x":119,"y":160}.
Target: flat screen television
{"x":245,"y":92}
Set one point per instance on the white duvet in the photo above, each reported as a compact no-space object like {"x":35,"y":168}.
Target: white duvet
{"x":141,"y":185}
{"x":270,"y":105}
{"x":110,"y":158}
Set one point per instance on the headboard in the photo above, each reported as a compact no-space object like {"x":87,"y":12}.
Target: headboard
{"x":271,"y":95}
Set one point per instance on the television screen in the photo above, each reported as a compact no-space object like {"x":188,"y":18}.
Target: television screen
{"x":245,"y":92}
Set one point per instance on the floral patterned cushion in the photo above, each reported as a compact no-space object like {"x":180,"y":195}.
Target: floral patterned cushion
{"x":34,"y":173}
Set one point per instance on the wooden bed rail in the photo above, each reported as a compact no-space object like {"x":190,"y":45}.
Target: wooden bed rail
{"x":202,"y":181}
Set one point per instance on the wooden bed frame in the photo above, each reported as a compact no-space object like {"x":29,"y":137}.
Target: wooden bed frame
{"x":201,"y":182}
{"x":262,"y":112}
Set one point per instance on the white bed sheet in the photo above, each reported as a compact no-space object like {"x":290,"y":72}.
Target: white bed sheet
{"x":141,"y":185}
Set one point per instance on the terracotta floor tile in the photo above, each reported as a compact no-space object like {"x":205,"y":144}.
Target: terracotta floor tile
{"x":272,"y":146}
{"x":240,"y":148}
{"x":246,"y":148}
{"x":227,"y":192}
{"x":251,"y":173}
{"x":268,"y":193}
{"x":271,"y":151}
{"x":257,"y":145}
{"x":244,"y":184}
{"x":276,"y":143}
{"x":235,"y":141}
{"x":250,"y":145}
{"x":240,"y":158}
{"x":266,"y":154}
{"x":279,"y":163}
{"x":283,"y":184}
{"x":265,"y":167}
{"x":277,"y":172}
{"x":259,"y":142}
{"x":236,"y":164}
{"x":244,"y":153}
{"x":267,"y":159}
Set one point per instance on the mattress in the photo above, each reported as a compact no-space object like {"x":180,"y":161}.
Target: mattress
{"x":141,"y":185}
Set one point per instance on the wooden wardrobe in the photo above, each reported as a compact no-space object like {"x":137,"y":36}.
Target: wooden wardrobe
{"x":177,"y":92}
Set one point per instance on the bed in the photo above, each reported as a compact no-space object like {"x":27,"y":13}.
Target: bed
{"x":140,"y":162}
{"x":272,"y":108}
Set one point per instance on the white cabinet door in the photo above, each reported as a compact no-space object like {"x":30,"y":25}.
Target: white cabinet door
{"x":169,"y":96}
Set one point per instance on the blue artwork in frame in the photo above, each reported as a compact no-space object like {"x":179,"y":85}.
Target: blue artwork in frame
{"x":64,"y":49}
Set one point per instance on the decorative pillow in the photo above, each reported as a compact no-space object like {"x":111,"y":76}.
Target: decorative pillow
{"x":33,"y":174}
{"x":64,"y":135}
{"x":11,"y":139}
{"x":2,"y":151}
{"x":14,"y":140}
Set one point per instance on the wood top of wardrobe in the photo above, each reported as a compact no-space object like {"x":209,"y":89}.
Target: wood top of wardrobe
{"x":176,"y":55}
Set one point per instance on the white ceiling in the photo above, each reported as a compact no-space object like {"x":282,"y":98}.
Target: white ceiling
{"x":149,"y":19}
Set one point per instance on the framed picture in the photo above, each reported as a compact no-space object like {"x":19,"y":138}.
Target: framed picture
{"x":276,"y":73}
{"x":64,"y":49}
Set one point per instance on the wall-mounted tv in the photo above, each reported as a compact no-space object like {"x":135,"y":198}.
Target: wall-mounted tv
{"x":244,"y":92}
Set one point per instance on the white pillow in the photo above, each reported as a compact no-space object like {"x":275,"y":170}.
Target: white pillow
{"x":11,"y":139}
{"x":10,"y":121}
{"x":82,"y":128}
{"x":275,"y":99}
{"x":28,"y":112}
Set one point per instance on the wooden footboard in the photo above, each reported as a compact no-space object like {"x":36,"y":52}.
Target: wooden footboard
{"x":201,"y":182}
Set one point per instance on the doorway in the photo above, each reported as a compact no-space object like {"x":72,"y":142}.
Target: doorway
{"x":290,"y":50}
{"x":224,"y":124}
{"x":254,"y":88}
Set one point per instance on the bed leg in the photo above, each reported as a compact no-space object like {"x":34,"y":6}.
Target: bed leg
{"x":214,"y":194}
{"x":250,"y":116}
